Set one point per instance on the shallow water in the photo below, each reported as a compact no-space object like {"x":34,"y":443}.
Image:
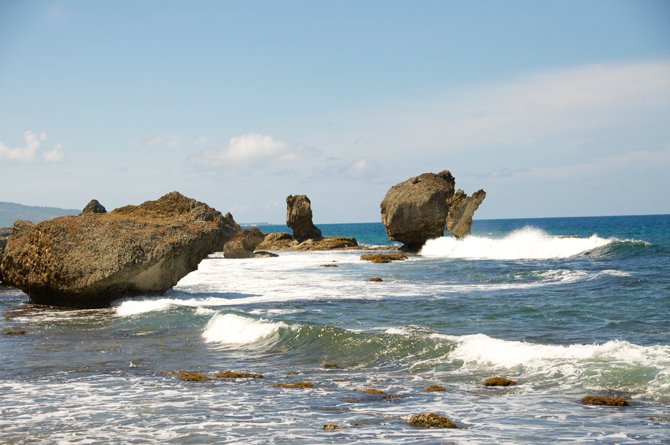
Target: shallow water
{"x":563,"y":317}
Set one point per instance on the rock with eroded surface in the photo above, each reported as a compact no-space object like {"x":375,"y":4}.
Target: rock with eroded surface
{"x":299,"y":218}
{"x":461,"y":209}
{"x":88,"y":261}
{"x":416,"y":210}
{"x":243,"y":244}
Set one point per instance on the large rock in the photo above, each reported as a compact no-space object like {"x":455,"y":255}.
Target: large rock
{"x":90,"y":260}
{"x":243,"y":244}
{"x":299,"y":218}
{"x":278,"y":241}
{"x":416,"y":210}
{"x":94,"y":207}
{"x":230,"y":229}
{"x":461,"y":209}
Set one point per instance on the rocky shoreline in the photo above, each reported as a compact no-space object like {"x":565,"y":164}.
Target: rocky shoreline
{"x":87,"y":261}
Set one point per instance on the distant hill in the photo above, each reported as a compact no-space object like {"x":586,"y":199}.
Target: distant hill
{"x":10,"y":212}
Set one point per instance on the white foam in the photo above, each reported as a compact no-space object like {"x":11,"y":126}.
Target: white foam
{"x":480,"y":349}
{"x":237,"y":330}
{"x":527,"y":243}
{"x":136,"y":307}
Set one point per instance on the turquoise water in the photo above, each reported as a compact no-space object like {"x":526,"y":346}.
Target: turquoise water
{"x":564,"y":317}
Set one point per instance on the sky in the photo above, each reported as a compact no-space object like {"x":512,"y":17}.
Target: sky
{"x":554,"y":108}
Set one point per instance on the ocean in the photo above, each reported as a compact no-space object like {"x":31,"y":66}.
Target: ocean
{"x":564,"y":317}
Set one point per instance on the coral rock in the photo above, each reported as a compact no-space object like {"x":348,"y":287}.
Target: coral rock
{"x":431,"y":420}
{"x":594,"y":400}
{"x":499,"y":381}
{"x":88,"y":261}
{"x":299,"y":218}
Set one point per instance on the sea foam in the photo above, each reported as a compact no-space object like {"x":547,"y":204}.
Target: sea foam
{"x":237,"y":330}
{"x":526,"y":243}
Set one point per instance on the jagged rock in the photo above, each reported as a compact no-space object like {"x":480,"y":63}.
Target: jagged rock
{"x":264,"y":254}
{"x":93,"y":207}
{"x":243,"y":244}
{"x":278,"y":241}
{"x":431,"y":420}
{"x":499,"y":381}
{"x":299,"y":218}
{"x":3,"y":243}
{"x":594,"y":400}
{"x":230,"y":229}
{"x":88,"y":261}
{"x":461,"y":209}
{"x":416,"y":210}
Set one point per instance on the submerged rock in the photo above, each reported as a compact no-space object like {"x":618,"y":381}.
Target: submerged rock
{"x":238,"y":375}
{"x":416,"y":210}
{"x":431,"y":420}
{"x":594,"y":400}
{"x":243,"y":244}
{"x":499,"y":381}
{"x":93,"y":207}
{"x":434,"y":388}
{"x":299,"y":218}
{"x":16,"y":333}
{"x":192,"y":377}
{"x":375,"y":279}
{"x":332,"y":426}
{"x":461,"y":209}
{"x":384,"y":257}
{"x":88,"y":261}
{"x":330,"y":365}
{"x":295,"y":385}
{"x":372,"y":391}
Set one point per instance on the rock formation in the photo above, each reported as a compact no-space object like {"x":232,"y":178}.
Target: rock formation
{"x":93,"y":207}
{"x":278,"y":241}
{"x":284,"y":241}
{"x":299,"y":218}
{"x":243,"y":244}
{"x":418,"y":209}
{"x":461,"y":209}
{"x":3,"y":243}
{"x":431,"y":420}
{"x":230,"y":229}
{"x":87,"y":261}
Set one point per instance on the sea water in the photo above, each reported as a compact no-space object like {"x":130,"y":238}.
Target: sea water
{"x":564,"y":317}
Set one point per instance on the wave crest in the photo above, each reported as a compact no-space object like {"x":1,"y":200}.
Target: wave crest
{"x":526,"y":243}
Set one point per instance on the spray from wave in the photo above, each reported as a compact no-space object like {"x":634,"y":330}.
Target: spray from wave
{"x":526,"y":243}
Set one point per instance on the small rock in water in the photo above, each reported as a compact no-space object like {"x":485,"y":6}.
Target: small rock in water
{"x":329,"y":265}
{"x":376,"y":279}
{"x":434,"y":388}
{"x":16,"y":332}
{"x":332,"y":426}
{"x":330,"y":365}
{"x":372,"y":391}
{"x":431,"y":420}
{"x":384,"y":257}
{"x":499,"y":381}
{"x":238,"y":375}
{"x":192,"y":377}
{"x":295,"y":385}
{"x":594,"y":400}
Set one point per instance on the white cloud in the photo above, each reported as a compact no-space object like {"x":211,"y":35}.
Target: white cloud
{"x":362,"y":168}
{"x":55,"y":155}
{"x":157,"y":140}
{"x":29,"y":152}
{"x":254,"y":149}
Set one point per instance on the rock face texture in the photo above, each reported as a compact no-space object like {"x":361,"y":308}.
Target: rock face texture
{"x":93,"y":207}
{"x":461,"y":209}
{"x":418,"y":209}
{"x":243,"y":244}
{"x":230,"y":229}
{"x":299,"y":218}
{"x":431,"y":420}
{"x":88,"y":261}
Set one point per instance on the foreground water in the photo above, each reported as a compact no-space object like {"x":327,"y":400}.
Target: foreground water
{"x":564,"y":317}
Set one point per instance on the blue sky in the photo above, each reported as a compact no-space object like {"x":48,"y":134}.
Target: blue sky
{"x":554,"y":108}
